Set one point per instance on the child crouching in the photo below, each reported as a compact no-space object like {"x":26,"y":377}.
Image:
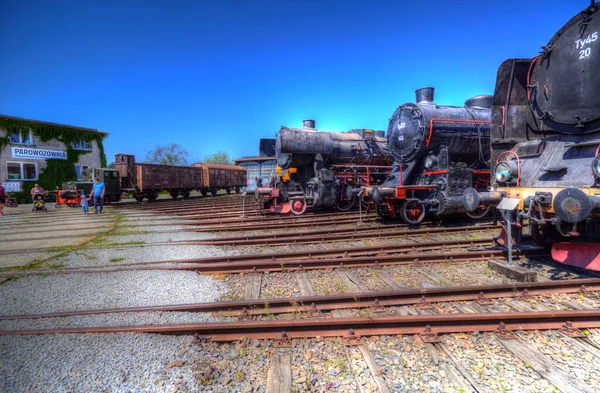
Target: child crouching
{"x":84,"y":204}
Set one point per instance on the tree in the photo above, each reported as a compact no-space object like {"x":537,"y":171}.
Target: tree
{"x":171,"y":154}
{"x":220,"y":157}
{"x":111,"y":165}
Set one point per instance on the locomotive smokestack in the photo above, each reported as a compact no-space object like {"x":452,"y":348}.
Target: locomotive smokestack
{"x":308,"y":124}
{"x":424,"y":95}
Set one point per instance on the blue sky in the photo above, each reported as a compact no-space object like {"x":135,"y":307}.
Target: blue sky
{"x":219,"y":75}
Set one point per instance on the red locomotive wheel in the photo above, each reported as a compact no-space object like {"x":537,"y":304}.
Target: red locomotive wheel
{"x":298,"y":206}
{"x":412,"y":212}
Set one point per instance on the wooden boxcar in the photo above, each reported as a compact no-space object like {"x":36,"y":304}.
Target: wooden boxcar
{"x":221,"y":177}
{"x":147,"y":180}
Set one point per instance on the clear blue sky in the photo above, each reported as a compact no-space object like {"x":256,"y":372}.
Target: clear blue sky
{"x":220,"y":74}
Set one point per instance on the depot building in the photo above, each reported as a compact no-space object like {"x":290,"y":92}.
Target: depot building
{"x":26,"y":145}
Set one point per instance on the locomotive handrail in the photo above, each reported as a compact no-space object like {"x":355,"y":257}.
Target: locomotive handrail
{"x":436,"y":119}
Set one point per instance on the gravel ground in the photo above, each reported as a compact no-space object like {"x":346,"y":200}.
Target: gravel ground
{"x":117,"y":319}
{"x":143,"y":253}
{"x":371,"y":278}
{"x":236,"y":284}
{"x":326,"y":282}
{"x":411,"y":278}
{"x":322,"y":366}
{"x":124,"y":362}
{"x":276,"y":285}
{"x":494,"y":367}
{"x":567,"y":355}
{"x":38,"y":294}
{"x":407,"y":366}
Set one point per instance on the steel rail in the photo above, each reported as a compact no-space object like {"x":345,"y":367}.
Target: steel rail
{"x":280,"y":256}
{"x":375,"y":300}
{"x":337,"y":234}
{"x":355,"y":327}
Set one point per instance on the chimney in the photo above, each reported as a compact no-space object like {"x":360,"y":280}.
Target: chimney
{"x":308,"y":124}
{"x":424,"y":95}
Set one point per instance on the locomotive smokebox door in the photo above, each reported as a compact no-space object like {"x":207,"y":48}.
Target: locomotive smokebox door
{"x":565,"y":80}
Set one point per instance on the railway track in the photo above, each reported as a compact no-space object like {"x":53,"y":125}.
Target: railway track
{"x":330,"y":235}
{"x":426,"y":326}
{"x":281,"y":257}
{"x":376,"y":300}
{"x":245,"y":266}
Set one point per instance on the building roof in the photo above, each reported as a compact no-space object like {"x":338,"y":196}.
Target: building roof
{"x":52,"y":124}
{"x":254,"y":159}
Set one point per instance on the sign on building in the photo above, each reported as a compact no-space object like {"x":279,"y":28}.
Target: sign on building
{"x":38,"y":154}
{"x":11,"y":186}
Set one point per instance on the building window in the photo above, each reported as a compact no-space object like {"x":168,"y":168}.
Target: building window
{"x":21,"y":170}
{"x":23,"y":139}
{"x":83,"y":145}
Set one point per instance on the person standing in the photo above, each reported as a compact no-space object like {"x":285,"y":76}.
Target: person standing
{"x":3,"y":196}
{"x":98,"y":189}
{"x":84,"y":204}
{"x":36,"y":190}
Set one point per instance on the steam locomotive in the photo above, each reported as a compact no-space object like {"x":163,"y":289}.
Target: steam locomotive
{"x":545,"y":143}
{"x":318,"y":169}
{"x":439,"y":151}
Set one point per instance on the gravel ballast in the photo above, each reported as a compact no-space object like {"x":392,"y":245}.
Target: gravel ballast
{"x":39,"y":294}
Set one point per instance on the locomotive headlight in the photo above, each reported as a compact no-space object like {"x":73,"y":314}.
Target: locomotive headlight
{"x":596,"y":166}
{"x":430,"y":161}
{"x":505,"y":171}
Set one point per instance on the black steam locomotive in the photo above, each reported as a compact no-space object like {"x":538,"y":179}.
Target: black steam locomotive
{"x":439,"y":151}
{"x":545,"y":143}
{"x":318,"y":169}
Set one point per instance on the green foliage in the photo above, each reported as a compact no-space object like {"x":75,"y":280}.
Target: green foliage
{"x":171,"y":154}
{"x":57,"y":171}
{"x":220,"y":157}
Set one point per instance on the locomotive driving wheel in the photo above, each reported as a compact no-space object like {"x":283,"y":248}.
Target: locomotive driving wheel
{"x":298,"y":206}
{"x":479,"y":213}
{"x":412,"y":212}
{"x":541,"y":234}
{"x":344,"y":202}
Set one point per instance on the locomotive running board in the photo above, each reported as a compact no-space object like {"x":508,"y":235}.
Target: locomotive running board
{"x":581,"y":255}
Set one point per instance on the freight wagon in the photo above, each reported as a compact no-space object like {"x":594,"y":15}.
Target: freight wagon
{"x":147,"y":180}
{"x":221,"y":177}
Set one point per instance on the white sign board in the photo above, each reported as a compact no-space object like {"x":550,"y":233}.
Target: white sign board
{"x":38,"y":154}
{"x":12,"y":186}
{"x":508,"y":204}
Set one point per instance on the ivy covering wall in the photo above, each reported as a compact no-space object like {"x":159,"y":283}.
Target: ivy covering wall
{"x":56,"y":171}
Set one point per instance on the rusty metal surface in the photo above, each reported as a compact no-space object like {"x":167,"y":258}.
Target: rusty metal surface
{"x":375,"y":299}
{"x":331,"y":327}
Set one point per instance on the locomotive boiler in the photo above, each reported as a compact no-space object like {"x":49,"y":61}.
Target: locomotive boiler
{"x":545,"y":143}
{"x":316,"y":168}
{"x":439,"y":151}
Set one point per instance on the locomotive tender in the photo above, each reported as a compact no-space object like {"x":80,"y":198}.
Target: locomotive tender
{"x":317,"y":168}
{"x":545,"y":143}
{"x":439,"y":151}
{"x":147,"y":180}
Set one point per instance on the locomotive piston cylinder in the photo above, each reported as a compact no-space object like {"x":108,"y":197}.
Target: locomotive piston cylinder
{"x":377,"y":194}
{"x":573,"y":205}
{"x":472,"y":198}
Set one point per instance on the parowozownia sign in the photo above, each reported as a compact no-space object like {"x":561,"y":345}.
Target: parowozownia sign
{"x":38,"y":154}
